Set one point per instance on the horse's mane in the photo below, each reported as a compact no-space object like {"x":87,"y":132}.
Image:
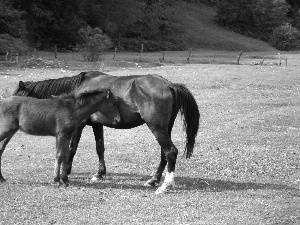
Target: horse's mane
{"x":47,"y":88}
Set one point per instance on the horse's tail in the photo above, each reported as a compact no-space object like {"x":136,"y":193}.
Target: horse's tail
{"x":187,"y":105}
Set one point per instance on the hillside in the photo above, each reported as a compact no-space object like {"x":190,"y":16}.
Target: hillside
{"x":201,"y":32}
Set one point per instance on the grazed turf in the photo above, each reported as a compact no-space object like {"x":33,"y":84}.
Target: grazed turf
{"x":245,"y":169}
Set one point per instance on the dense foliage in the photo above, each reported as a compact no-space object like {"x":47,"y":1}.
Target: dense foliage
{"x":128,"y":23}
{"x":274,"y":21}
{"x":42,"y":24}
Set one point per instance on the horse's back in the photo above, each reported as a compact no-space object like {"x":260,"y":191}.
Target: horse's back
{"x":141,"y":98}
{"x":149,"y":95}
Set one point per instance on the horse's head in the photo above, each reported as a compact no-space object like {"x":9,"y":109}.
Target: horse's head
{"x":24,"y":90}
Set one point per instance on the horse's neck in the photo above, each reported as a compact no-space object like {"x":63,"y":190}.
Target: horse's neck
{"x":90,"y":107}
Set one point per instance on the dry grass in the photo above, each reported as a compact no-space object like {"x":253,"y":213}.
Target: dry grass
{"x":245,"y":169}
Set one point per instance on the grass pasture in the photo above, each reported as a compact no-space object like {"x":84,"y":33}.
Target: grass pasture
{"x":246,"y":163}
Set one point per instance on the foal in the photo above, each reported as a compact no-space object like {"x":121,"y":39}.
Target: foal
{"x":59,"y":117}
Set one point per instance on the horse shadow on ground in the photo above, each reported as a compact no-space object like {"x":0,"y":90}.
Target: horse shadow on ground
{"x":136,"y":181}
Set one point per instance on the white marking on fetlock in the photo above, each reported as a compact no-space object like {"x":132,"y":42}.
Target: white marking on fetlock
{"x":95,"y":179}
{"x":160,"y":190}
{"x":169,"y":179}
{"x":169,"y":183}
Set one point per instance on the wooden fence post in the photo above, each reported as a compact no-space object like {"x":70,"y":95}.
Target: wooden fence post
{"x":55,"y":51}
{"x":286,"y":61}
{"x":142,"y":49}
{"x":115,"y":52}
{"x":162,"y":58}
{"x":188,"y":58}
{"x":238,"y":60}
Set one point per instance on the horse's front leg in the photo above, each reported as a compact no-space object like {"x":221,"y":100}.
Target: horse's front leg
{"x":73,"y":146}
{"x":62,"y":156}
{"x":98,"y":133}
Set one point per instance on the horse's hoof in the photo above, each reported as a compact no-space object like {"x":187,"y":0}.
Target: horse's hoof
{"x":96,"y":178}
{"x":164,"y":188}
{"x":2,"y":180}
{"x":160,"y":191}
{"x":151,"y":183}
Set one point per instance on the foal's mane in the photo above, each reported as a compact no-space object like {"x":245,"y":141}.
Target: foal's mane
{"x":47,"y":88}
{"x":81,"y":99}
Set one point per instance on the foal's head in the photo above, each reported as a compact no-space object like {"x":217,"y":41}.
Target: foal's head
{"x":104,"y":102}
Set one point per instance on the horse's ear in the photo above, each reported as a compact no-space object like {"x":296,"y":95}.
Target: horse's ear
{"x":108,"y":93}
{"x":22,"y":85}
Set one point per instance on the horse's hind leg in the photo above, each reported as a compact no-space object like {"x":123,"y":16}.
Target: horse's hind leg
{"x":98,"y":133}
{"x":170,"y":151}
{"x":154,"y":181}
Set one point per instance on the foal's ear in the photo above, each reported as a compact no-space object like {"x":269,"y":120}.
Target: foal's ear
{"x":22,"y":85}
{"x":108,"y":93}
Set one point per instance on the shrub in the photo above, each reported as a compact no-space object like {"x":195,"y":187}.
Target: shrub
{"x":11,"y":44}
{"x":94,"y":43}
{"x":286,"y":37}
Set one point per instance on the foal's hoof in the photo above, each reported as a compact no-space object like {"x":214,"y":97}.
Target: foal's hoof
{"x":57,"y":184}
{"x":66,"y":183}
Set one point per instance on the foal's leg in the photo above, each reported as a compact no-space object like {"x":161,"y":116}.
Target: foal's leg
{"x":8,"y":127}
{"x":4,"y":141}
{"x":163,"y":138}
{"x":73,"y":146}
{"x":98,"y":133}
{"x":62,"y":156}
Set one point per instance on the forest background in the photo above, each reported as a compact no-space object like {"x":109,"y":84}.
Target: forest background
{"x":73,"y":25}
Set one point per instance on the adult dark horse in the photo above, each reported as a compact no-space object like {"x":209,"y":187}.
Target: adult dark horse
{"x":148,"y":99}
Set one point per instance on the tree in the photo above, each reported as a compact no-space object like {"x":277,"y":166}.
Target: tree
{"x":286,"y":38}
{"x":255,"y":18}
{"x":120,"y":15}
{"x":94,"y":43}
{"x":52,"y":22}
{"x":12,"y":32}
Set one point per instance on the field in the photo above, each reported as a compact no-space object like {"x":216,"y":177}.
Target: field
{"x":246,"y":163}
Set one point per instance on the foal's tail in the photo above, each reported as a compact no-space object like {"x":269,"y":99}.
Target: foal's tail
{"x":186,"y":103}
